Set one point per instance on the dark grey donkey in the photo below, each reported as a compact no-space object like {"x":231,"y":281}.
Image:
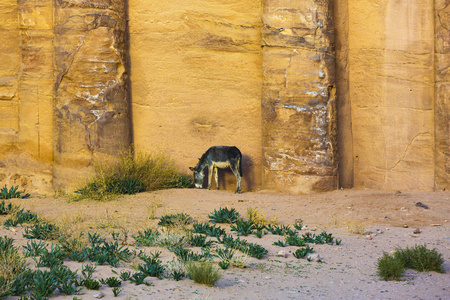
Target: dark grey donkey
{"x":218,"y":157}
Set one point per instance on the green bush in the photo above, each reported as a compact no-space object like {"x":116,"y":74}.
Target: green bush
{"x":12,"y":193}
{"x":420,"y":258}
{"x":203,"y":273}
{"x":224,"y":215}
{"x":390,"y":268}
{"x":131,"y":174}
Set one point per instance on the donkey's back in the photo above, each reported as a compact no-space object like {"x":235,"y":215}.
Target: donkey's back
{"x":224,"y":157}
{"x":219,"y":157}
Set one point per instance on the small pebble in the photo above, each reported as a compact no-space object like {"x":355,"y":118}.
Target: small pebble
{"x":99,"y":295}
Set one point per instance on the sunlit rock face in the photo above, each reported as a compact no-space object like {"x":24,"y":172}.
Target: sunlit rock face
{"x":91,"y":84}
{"x":298,"y":101}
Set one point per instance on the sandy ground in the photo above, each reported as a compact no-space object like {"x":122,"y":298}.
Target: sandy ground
{"x":348,"y":271}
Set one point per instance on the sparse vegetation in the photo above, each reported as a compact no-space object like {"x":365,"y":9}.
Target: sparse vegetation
{"x":132,"y":174}
{"x":418,"y":258}
{"x":224,"y":215}
{"x":203,"y":273}
{"x":13,"y":192}
{"x":390,"y":268}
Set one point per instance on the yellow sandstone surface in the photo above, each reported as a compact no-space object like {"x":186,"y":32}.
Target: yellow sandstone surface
{"x":316,"y":94}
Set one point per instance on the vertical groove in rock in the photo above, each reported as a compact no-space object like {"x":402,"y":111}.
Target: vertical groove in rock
{"x":92,"y":118}
{"x":442,"y":92}
{"x":298,"y":101}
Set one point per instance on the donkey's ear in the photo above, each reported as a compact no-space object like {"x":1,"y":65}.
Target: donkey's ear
{"x":191,"y":168}
{"x":199,"y":158}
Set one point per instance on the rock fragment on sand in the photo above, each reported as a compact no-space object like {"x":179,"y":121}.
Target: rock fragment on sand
{"x":281,"y":253}
{"x":99,"y":295}
{"x":417,"y":231}
{"x":313,"y":257}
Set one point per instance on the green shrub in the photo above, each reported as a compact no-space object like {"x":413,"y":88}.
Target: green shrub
{"x":175,"y":220}
{"x":146,"y":237}
{"x":42,"y":231}
{"x":203,"y":273}
{"x":390,"y":268}
{"x":92,"y":284}
{"x":302,"y":252}
{"x":131,"y":174}
{"x":420,"y":258}
{"x":12,"y":193}
{"x":224,"y":215}
{"x":12,"y":266}
{"x":243,"y":227}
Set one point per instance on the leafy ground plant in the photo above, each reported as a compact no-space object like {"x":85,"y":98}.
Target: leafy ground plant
{"x":243,"y":227}
{"x":203,"y":273}
{"x":131,"y":174}
{"x":420,"y":258}
{"x":224,"y":215}
{"x":389,"y":268}
{"x":174,"y":220}
{"x":13,"y":192}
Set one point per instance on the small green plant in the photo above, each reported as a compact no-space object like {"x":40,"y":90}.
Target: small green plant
{"x":178,"y":275}
{"x":111,"y":281}
{"x":69,"y":287}
{"x":185,"y":255}
{"x":92,"y":284}
{"x":44,"y":284}
{"x":125,"y":275}
{"x":280,"y":243}
{"x":294,"y":240}
{"x":173,"y":220}
{"x":198,"y":240}
{"x":116,"y":291}
{"x":42,"y":231}
{"x":12,"y":269}
{"x":225,"y":255}
{"x":420,"y":258}
{"x":390,"y":268}
{"x":19,"y":217}
{"x":50,"y":258}
{"x":6,"y":209}
{"x":12,"y":193}
{"x":302,"y":252}
{"x":203,"y":273}
{"x":298,"y":226}
{"x":146,"y":237}
{"x":34,"y":249}
{"x":138,"y":278}
{"x":243,"y":227}
{"x":224,"y":215}
{"x":87,"y":270}
{"x":153,"y":266}
{"x":181,"y":182}
{"x":209,"y":230}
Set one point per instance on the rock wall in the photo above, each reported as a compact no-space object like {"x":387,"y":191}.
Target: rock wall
{"x":298,"y":101}
{"x":92,"y":119}
{"x":196,"y":74}
{"x":442,"y":92}
{"x":391,"y":91}
{"x":313,"y":92}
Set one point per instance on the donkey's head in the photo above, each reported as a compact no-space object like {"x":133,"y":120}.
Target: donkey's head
{"x":198,"y":176}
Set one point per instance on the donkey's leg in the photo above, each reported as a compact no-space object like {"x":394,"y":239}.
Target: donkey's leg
{"x":210,"y":171}
{"x":216,"y":177}
{"x":235,"y":170}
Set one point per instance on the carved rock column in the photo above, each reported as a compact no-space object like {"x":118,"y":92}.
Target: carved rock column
{"x":298,"y":105}
{"x":442,"y":92}
{"x":92,"y":118}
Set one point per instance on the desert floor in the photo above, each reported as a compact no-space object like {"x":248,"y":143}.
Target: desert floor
{"x":367,"y":222}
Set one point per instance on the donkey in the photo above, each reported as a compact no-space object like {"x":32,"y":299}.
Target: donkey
{"x":218,"y":157}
